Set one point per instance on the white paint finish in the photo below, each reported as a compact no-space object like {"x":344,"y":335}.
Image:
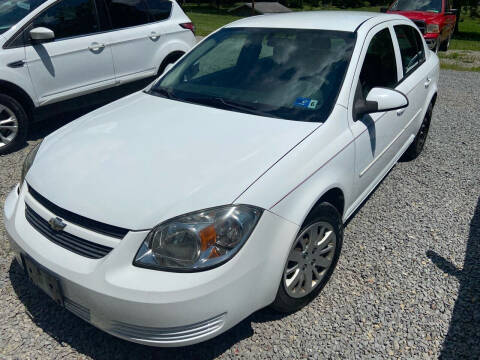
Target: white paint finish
{"x":113,"y":289}
{"x":144,"y":159}
{"x":387,"y":99}
{"x":327,"y":20}
{"x":68,"y":68}
{"x":159,"y":158}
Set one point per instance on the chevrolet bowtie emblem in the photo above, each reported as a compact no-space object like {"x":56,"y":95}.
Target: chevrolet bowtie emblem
{"x":57,"y":224}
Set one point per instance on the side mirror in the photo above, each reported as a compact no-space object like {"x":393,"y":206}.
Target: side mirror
{"x":383,"y":9}
{"x":378,"y":100}
{"x":41,"y":34}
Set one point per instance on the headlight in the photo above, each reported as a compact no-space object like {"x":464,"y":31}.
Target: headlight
{"x":28,"y":162}
{"x":433,"y":29}
{"x":198,"y":240}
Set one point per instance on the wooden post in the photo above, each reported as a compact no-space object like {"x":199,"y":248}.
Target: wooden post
{"x":253,"y":7}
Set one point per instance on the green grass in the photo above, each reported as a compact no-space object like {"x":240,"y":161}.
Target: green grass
{"x":208,"y":19}
{"x":459,"y":67}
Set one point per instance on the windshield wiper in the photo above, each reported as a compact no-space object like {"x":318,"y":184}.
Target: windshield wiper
{"x":228,"y":105}
{"x":162,"y":92}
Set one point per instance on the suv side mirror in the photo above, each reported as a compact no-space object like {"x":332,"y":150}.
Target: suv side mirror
{"x":41,"y":34}
{"x":380,"y":99}
{"x":383,"y":9}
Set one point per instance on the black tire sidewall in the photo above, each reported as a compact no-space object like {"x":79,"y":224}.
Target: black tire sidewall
{"x":323,"y":212}
{"x":22,"y":119}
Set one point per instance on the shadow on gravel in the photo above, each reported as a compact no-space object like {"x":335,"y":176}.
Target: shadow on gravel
{"x":463,"y":338}
{"x":66,"y":328}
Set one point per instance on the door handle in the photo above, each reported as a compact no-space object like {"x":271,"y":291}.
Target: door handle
{"x":96,"y":46}
{"x":427,"y":83}
{"x":153,"y":35}
{"x":400,"y":111}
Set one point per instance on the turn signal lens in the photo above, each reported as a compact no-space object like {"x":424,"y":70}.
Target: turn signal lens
{"x":433,"y":29}
{"x":199,"y":240}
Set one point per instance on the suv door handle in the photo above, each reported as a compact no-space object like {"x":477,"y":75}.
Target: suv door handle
{"x":153,"y":35}
{"x":427,"y":83}
{"x":96,"y":46}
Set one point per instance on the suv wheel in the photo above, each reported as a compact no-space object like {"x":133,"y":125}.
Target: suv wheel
{"x":13,"y":124}
{"x":311,"y":260}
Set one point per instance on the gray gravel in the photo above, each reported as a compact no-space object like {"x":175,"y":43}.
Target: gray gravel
{"x":407,"y":284}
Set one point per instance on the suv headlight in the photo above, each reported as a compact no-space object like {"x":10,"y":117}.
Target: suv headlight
{"x":433,"y":28}
{"x":28,"y":162}
{"x":199,"y":240}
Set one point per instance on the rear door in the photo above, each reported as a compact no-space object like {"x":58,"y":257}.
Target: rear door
{"x":136,"y":36}
{"x":415,"y":81}
{"x":79,"y":59}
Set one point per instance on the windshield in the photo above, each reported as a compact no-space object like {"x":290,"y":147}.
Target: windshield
{"x":417,"y":5}
{"x":12,"y":11}
{"x":286,"y":73}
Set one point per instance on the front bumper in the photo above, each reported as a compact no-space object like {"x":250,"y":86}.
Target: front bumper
{"x":431,"y":40}
{"x":156,"y":307}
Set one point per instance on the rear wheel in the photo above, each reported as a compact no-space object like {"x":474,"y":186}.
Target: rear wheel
{"x":13,"y":124}
{"x":311,"y":260}
{"x":170,"y":59}
{"x":418,"y":143}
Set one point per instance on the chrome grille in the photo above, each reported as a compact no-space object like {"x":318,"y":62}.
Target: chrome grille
{"x":421,"y":25}
{"x":93,"y":225}
{"x":66,"y":240}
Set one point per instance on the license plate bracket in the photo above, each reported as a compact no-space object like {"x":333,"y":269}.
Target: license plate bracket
{"x":43,"y":279}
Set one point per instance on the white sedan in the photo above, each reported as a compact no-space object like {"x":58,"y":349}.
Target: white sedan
{"x":167,"y":217}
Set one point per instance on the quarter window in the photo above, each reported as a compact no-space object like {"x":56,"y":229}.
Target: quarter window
{"x":411,"y":48}
{"x":379,"y":67}
{"x":125,"y":13}
{"x":69,"y":18}
{"x":159,"y":9}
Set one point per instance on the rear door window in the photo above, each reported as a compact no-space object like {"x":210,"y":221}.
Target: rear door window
{"x":159,"y":9}
{"x":411,"y":48}
{"x":126,"y":13}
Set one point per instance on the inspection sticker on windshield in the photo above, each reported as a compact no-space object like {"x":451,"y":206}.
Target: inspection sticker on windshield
{"x":306,"y":103}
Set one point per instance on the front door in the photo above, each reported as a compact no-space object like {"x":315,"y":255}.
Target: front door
{"x":77,"y":61}
{"x":376,"y":134}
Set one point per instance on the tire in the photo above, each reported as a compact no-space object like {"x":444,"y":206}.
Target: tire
{"x":436,"y":49}
{"x":418,"y":143}
{"x":170,"y":59}
{"x":445,"y":44}
{"x":13,"y":124}
{"x":325,"y":222}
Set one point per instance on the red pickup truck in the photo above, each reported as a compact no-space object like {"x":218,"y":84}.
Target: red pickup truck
{"x":435,"y":19}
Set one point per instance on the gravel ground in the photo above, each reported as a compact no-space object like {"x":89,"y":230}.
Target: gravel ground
{"x":407,"y":284}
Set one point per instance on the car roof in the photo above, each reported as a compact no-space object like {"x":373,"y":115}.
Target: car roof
{"x":325,"y":20}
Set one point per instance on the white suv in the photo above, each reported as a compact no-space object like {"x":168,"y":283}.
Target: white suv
{"x":54,"y":50}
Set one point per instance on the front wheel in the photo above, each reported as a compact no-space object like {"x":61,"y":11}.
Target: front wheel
{"x":311,"y":260}
{"x":13,"y":124}
{"x":445,"y":44}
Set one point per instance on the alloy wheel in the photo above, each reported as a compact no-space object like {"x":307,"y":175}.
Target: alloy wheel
{"x":8,"y":125}
{"x":310,"y":259}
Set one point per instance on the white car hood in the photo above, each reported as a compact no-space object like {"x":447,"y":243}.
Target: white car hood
{"x":144,"y":159}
